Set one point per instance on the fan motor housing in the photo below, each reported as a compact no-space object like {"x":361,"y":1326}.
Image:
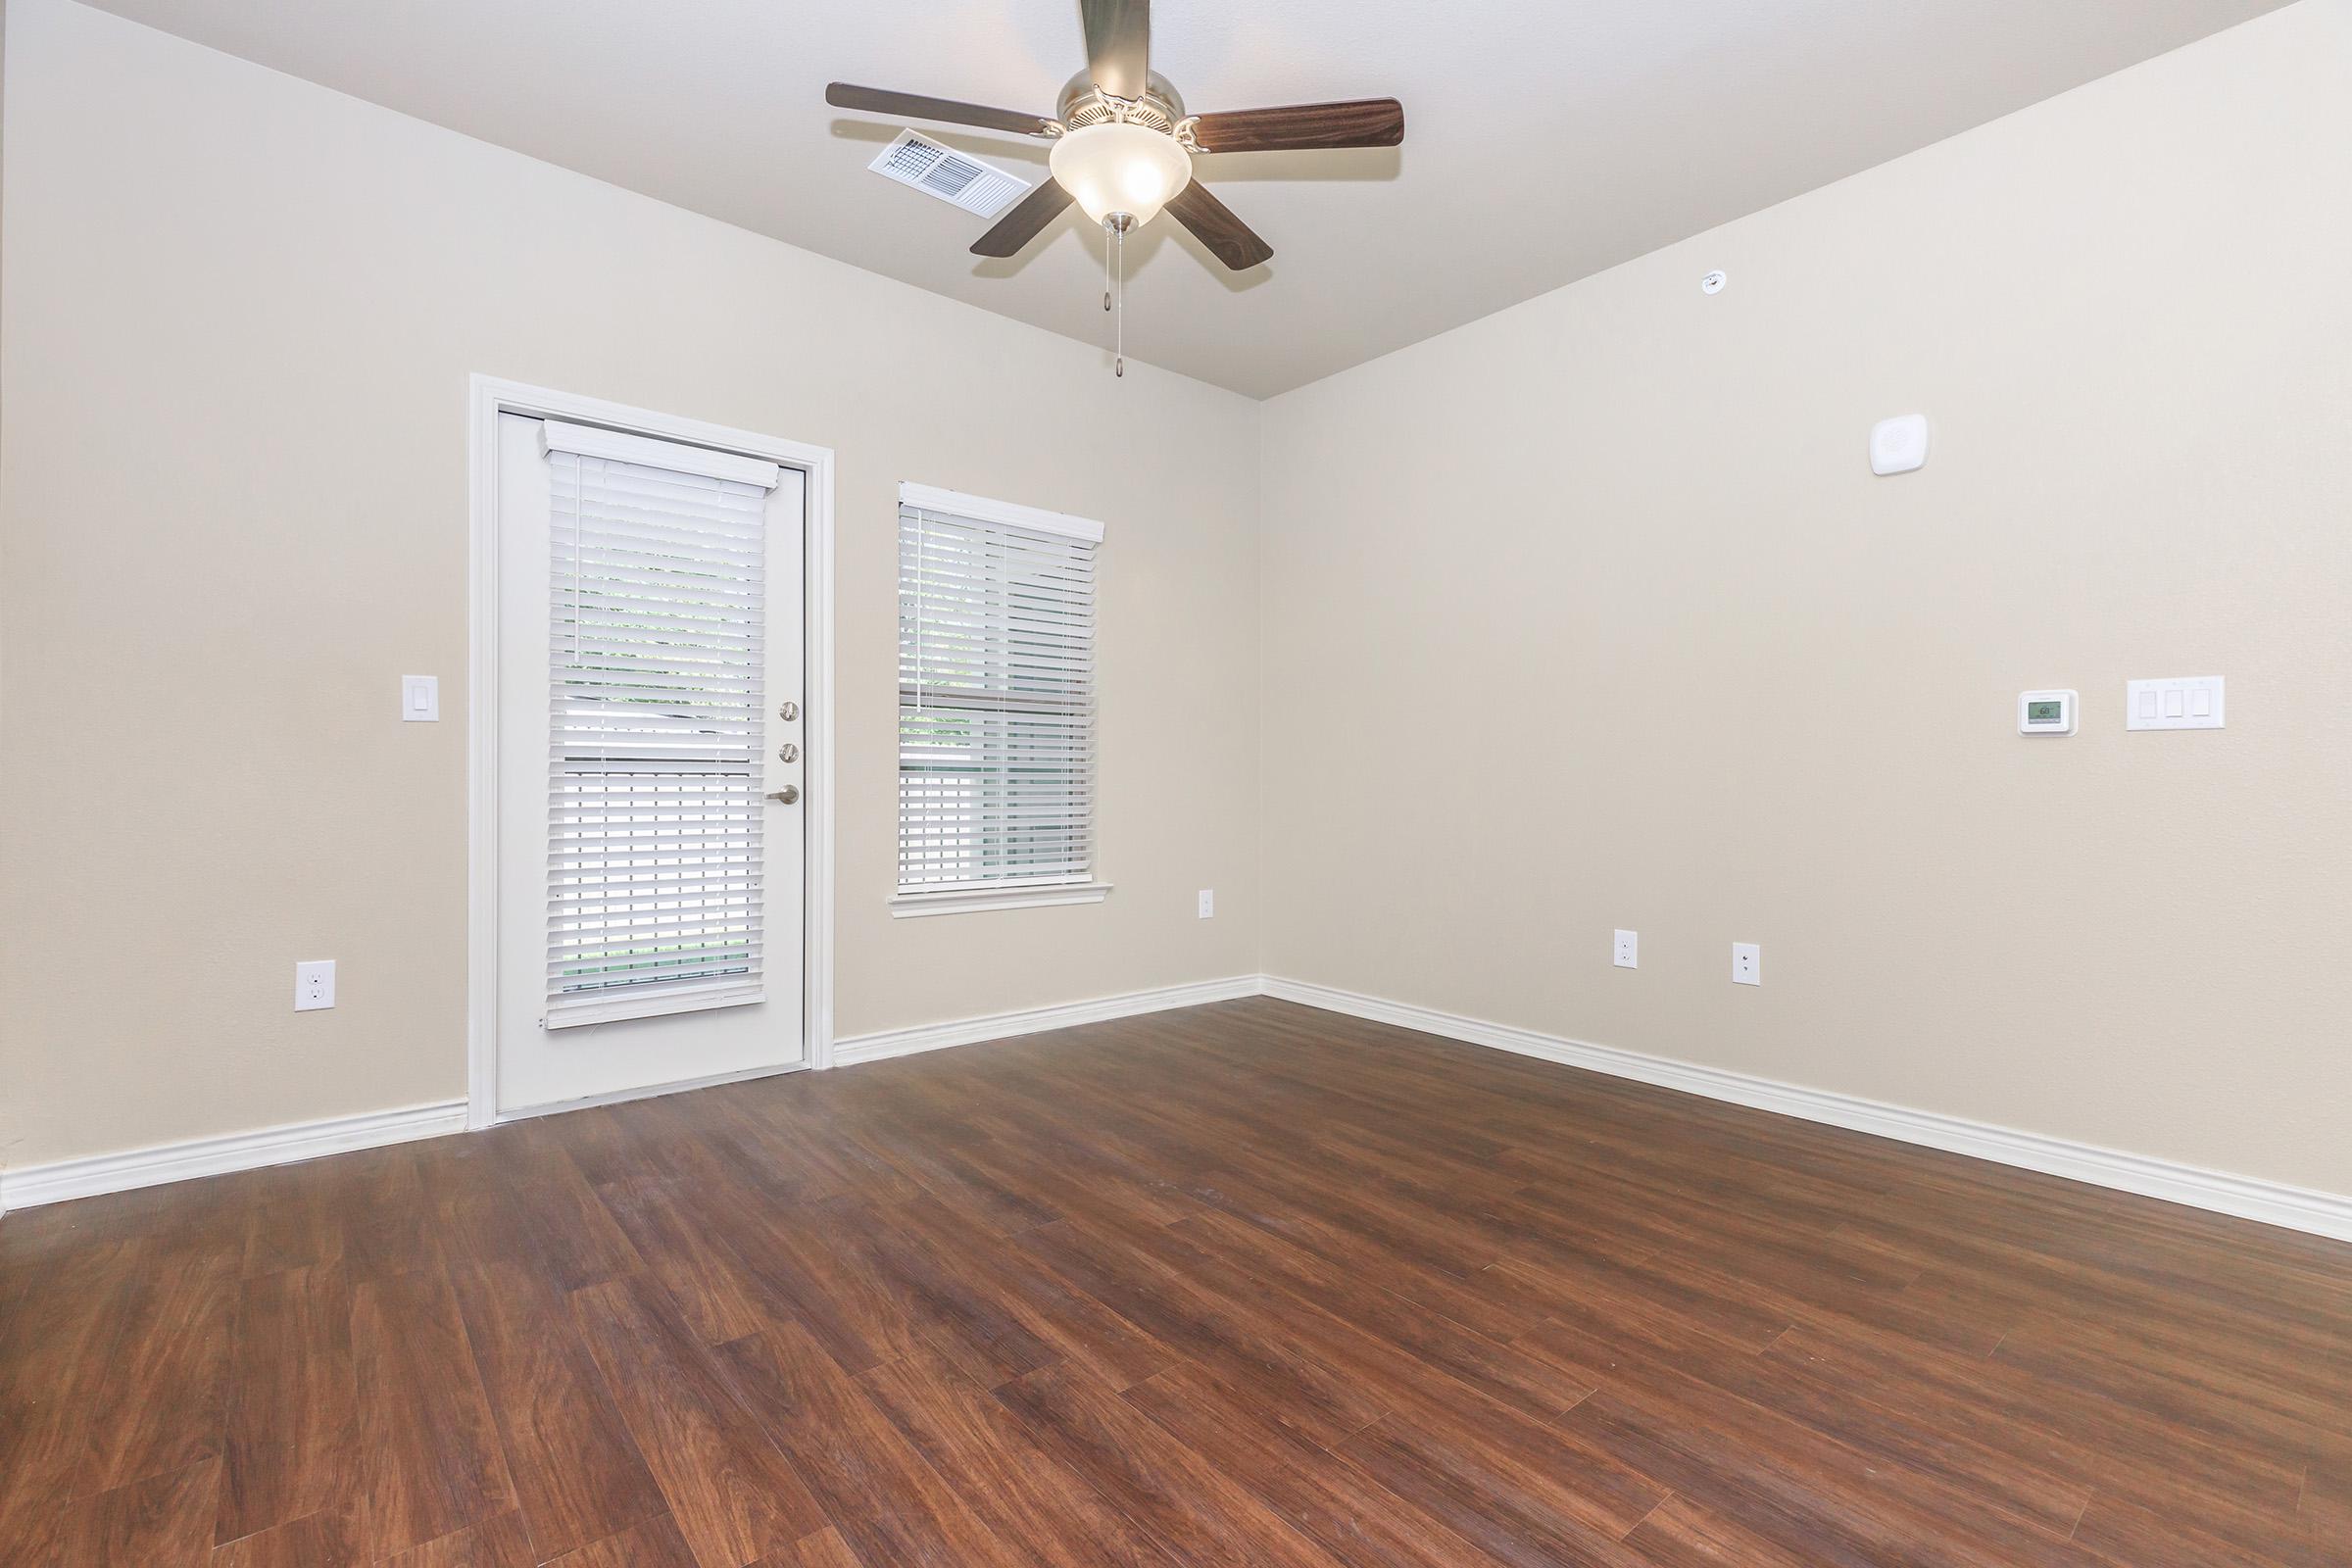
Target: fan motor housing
{"x":1159,"y":108}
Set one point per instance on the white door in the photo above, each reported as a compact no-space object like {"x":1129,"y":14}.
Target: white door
{"x":651,"y":854}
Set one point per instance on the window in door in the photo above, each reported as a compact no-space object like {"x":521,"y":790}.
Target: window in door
{"x":656,"y":686}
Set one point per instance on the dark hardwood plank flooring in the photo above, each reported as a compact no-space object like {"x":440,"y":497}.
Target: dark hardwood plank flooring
{"x":1246,"y":1285}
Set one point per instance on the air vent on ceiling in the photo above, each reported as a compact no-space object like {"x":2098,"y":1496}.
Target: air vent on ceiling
{"x":914,"y":159}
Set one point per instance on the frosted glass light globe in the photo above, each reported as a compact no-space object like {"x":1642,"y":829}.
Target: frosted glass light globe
{"x":1115,"y":168}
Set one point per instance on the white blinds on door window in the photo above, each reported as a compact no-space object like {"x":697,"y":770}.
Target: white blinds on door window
{"x":996,"y":699}
{"x":657,"y":628}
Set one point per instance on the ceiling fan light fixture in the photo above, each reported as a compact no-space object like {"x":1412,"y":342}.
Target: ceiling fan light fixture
{"x":1119,"y":166}
{"x":1123,"y":142}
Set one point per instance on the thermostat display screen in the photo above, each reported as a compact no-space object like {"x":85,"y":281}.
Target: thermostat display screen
{"x":2044,"y":712}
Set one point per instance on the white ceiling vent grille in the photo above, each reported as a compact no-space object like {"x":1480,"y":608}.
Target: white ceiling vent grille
{"x":914,"y":159}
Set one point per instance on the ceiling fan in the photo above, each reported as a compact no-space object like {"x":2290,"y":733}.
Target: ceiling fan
{"x":1123,"y":145}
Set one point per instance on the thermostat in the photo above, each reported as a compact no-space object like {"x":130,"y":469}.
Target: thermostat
{"x":2046,"y":712}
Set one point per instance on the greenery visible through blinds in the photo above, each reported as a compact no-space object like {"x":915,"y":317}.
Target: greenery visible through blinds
{"x":658,"y":621}
{"x":996,"y":704}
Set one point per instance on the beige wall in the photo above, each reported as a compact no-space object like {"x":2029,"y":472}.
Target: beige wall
{"x":1587,"y":615}
{"x":1590,"y":614}
{"x":239,"y":317}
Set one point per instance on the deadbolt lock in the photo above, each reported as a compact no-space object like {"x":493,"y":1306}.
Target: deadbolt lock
{"x":789,"y":712}
{"x":788,"y":753}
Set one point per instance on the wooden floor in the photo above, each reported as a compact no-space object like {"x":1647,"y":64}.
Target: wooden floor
{"x":1244,"y":1285}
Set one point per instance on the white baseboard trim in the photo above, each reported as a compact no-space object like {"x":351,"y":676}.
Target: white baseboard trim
{"x":1034,"y":1020}
{"x":32,"y":1185}
{"x":2297,"y":1208}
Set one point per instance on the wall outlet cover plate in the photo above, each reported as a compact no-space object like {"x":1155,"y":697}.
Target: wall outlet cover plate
{"x":313,"y":984}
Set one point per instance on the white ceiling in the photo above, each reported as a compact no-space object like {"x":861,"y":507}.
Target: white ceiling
{"x":1545,"y":140}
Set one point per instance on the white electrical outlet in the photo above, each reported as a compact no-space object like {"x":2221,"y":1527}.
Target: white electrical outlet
{"x":1208,"y":903}
{"x":1747,"y":963}
{"x":313,"y":984}
{"x":1629,"y":950}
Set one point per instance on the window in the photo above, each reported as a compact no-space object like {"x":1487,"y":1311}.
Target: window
{"x":996,"y":704}
{"x":657,"y":661}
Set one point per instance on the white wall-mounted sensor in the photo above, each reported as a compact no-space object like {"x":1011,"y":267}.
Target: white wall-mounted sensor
{"x":2046,"y":712}
{"x":1898,"y":445}
{"x":1713,"y":282}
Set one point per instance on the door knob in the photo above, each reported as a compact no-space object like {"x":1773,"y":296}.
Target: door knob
{"x":789,"y":794}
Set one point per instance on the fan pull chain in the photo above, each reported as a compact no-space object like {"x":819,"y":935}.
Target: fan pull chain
{"x":1107,"y":234}
{"x":1118,"y":321}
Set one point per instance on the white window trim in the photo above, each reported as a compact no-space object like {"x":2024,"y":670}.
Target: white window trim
{"x":488,"y":397}
{"x":1041,"y":893}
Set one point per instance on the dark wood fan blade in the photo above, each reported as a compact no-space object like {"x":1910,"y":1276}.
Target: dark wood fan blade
{"x":914,"y":106}
{"x":1118,"y":44}
{"x":1024,"y":222}
{"x":1357,"y":123}
{"x":1227,"y":238}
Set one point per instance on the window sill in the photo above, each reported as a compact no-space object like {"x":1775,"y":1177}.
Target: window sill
{"x":908,"y":906}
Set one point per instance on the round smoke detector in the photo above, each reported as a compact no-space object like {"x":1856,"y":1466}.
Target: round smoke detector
{"x":1712,"y":283}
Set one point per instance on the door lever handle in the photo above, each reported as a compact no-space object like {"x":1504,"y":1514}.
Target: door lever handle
{"x":789,"y":794}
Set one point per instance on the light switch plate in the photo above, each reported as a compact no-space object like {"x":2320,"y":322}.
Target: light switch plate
{"x":1747,"y":963}
{"x":1629,"y":950}
{"x":420,"y":699}
{"x":1208,"y":903}
{"x":2178,"y":702}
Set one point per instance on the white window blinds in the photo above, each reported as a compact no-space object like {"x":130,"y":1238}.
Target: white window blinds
{"x":658,"y":600}
{"x":996,"y":695}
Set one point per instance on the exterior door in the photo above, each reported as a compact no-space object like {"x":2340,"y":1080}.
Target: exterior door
{"x":651,"y":851}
